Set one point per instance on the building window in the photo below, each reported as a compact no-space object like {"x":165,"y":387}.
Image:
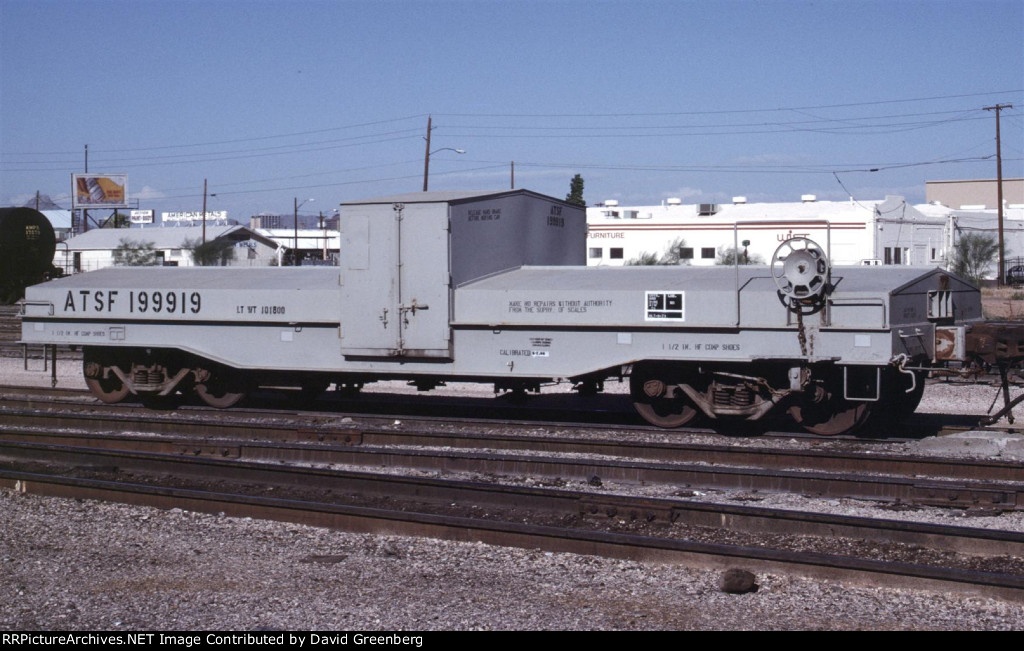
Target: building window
{"x":707,"y":253}
{"x":686,"y":253}
{"x":615,"y":254}
{"x":897,"y":255}
{"x":596,"y":253}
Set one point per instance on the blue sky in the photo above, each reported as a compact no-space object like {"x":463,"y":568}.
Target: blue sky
{"x":275,"y":100}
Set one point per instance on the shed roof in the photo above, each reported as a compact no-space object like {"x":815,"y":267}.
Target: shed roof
{"x":446,"y":196}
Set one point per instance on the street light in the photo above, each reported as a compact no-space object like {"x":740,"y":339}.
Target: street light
{"x":426,"y":157}
{"x":426,"y":164}
{"x":295,"y":251}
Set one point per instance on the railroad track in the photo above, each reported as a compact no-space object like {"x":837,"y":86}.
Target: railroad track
{"x":602,"y":522}
{"x":476,"y":411}
{"x":996,"y":578}
{"x":835,"y":472}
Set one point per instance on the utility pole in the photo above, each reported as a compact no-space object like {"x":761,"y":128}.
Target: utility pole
{"x":999,"y":193}
{"x":204,"y":211}
{"x":296,"y":261}
{"x":426,"y":157}
{"x":324,"y":230}
{"x":85,"y":211}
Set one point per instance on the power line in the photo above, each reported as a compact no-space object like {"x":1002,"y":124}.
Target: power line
{"x":759,"y":127}
{"x":893,"y":121}
{"x":233,"y":141}
{"x":726,"y":111}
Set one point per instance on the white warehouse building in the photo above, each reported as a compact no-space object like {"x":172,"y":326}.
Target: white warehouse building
{"x":171,"y":246}
{"x":888,"y":231}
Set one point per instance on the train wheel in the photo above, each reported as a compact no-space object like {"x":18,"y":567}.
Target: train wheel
{"x":832,"y":416}
{"x":906,"y":403}
{"x":652,"y":401}
{"x":218,"y":397}
{"x":221,"y":389}
{"x":107,"y":390}
{"x":103,"y":384}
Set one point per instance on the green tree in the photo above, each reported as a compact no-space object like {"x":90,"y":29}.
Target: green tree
{"x":728,"y":256}
{"x":575,"y":196}
{"x":645,"y":259}
{"x":213,"y":253}
{"x":135,"y":254}
{"x":973,"y":255}
{"x":671,"y":255}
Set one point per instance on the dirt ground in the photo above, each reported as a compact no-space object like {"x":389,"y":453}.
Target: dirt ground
{"x":1003,"y":303}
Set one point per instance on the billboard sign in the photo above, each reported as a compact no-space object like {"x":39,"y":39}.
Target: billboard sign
{"x":99,"y":190}
{"x":141,"y":216}
{"x":193,"y":216}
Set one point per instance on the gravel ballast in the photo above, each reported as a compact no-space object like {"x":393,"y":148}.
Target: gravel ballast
{"x":85,"y":566}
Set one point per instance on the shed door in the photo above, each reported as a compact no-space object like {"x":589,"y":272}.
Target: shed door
{"x":395,"y":283}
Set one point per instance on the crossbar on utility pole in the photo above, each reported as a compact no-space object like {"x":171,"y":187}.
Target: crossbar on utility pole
{"x":1001,"y":278}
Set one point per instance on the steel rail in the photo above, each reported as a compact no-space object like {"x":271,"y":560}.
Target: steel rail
{"x":613,"y":412}
{"x":286,"y":429}
{"x":591,"y":505}
{"x":554,"y":539}
{"x":917,"y":480}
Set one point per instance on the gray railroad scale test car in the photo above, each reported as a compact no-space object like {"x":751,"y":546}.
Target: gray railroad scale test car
{"x":493,"y":288}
